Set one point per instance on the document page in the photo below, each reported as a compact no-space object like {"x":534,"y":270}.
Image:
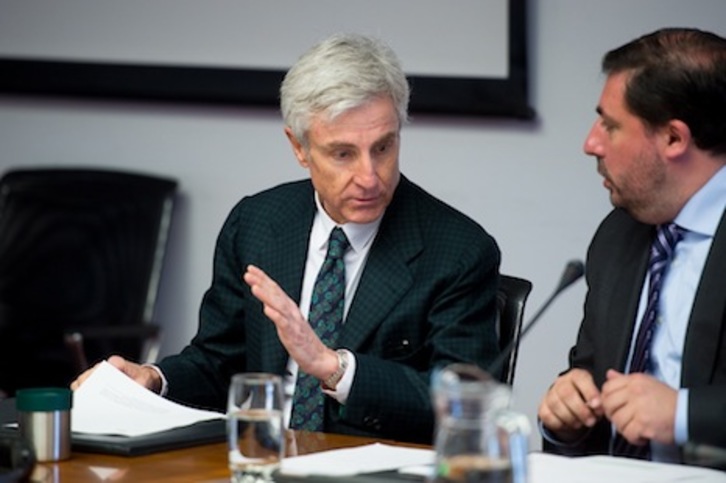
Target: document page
{"x":353,"y":461}
{"x":547,"y":468}
{"x":541,"y":467}
{"x":109,"y":402}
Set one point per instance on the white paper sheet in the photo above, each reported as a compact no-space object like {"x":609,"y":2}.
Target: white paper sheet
{"x":109,"y":402}
{"x":542,"y":468}
{"x":547,"y":468}
{"x":353,"y":461}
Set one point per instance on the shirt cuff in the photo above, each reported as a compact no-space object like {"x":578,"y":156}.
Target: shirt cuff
{"x":164,"y":383}
{"x":551,"y":438}
{"x":342,"y":389}
{"x":680,"y":429}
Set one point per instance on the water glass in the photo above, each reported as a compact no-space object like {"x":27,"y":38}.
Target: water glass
{"x":255,"y":430}
{"x":478,"y":437}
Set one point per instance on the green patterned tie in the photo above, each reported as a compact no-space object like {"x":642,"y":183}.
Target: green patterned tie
{"x":325,"y":317}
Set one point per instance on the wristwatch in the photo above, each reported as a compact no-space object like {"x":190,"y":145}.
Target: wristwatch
{"x":331,"y":382}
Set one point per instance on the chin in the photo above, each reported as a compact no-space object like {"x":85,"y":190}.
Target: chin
{"x":365,"y":216}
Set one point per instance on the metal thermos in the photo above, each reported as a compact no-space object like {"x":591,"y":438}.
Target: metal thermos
{"x":44,"y":420}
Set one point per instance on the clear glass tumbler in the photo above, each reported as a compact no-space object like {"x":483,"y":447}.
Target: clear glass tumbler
{"x":255,"y":426}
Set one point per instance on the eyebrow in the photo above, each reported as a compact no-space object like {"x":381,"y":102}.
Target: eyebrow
{"x":601,"y":112}
{"x":387,"y":137}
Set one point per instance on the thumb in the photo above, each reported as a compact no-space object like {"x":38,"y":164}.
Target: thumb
{"x":117,"y":361}
{"x":613,"y":374}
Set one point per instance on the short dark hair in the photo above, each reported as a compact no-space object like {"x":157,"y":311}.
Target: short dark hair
{"x":676,"y":73}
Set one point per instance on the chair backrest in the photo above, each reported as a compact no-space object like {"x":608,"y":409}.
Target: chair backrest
{"x":511,"y":299}
{"x":79,"y":249}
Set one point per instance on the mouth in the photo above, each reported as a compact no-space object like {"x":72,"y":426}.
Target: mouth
{"x":600,"y":168}
{"x":366,"y":200}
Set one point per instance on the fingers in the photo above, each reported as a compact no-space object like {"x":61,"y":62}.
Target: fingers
{"x":117,"y":361}
{"x":82,"y":378}
{"x":571,"y":404}
{"x":277,"y":305}
{"x":640,"y":407}
{"x":295,"y":333}
{"x":143,"y":375}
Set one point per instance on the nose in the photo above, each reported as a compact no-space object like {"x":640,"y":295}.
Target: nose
{"x":366,"y":172}
{"x":593,"y":144}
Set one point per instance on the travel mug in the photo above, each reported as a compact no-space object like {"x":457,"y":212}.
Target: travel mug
{"x":44,"y":420}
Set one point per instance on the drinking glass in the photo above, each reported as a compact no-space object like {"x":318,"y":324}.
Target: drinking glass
{"x":255,"y":427}
{"x":478,"y":437}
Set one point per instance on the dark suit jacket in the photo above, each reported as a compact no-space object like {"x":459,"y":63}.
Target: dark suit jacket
{"x":616,"y":267}
{"x":426,"y":298}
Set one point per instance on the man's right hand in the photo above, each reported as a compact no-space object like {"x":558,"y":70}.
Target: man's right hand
{"x":572,"y":403}
{"x":144,"y":375}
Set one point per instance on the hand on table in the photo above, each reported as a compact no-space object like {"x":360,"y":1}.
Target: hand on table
{"x":572,"y":404}
{"x":640,"y":407}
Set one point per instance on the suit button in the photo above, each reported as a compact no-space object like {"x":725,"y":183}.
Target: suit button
{"x":372,"y":422}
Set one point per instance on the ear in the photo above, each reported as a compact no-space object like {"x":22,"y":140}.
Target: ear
{"x":297,"y":148}
{"x":677,"y":138}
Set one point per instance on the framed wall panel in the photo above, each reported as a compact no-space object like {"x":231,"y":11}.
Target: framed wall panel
{"x":63,"y":62}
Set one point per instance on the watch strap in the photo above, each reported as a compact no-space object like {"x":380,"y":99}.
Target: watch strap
{"x":331,"y":382}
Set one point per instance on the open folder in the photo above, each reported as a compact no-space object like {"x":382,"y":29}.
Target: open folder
{"x":113,"y":414}
{"x":204,"y":432}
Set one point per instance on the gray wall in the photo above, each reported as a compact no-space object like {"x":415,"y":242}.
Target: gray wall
{"x":528,"y":183}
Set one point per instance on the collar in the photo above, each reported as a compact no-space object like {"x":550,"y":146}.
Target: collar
{"x":702,"y":213}
{"x":360,"y":235}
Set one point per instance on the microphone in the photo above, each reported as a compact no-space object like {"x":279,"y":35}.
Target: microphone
{"x":572,"y":273}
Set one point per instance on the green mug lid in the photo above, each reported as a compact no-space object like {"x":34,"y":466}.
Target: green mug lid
{"x":43,"y":399}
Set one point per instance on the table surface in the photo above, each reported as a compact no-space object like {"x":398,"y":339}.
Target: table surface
{"x":201,"y":464}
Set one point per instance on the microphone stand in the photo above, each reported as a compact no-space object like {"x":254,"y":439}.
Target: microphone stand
{"x":573,"y":271}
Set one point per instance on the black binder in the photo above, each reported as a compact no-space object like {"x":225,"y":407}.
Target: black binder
{"x":391,"y":476}
{"x":203,"y":432}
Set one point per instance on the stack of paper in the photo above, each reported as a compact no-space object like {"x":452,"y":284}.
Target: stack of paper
{"x":109,"y":402}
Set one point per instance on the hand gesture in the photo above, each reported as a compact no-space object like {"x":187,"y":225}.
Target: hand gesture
{"x":295,"y":333}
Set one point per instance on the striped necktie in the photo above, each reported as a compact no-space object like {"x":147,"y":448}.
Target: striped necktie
{"x":661,"y":254}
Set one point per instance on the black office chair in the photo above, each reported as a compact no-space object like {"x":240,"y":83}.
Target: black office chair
{"x":511,"y":298}
{"x":81,"y":253}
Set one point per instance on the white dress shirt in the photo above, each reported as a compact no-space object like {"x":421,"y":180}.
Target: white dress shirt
{"x":361,"y":238}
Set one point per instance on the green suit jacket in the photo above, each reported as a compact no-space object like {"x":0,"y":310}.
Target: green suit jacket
{"x":426,"y":298}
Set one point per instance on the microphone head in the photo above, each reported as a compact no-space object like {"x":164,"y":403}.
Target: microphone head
{"x":573,"y":271}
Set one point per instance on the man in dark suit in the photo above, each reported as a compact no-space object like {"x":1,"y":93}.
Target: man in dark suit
{"x":421,"y":278}
{"x":660,"y":145}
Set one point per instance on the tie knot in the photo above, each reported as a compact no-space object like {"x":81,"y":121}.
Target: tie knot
{"x":668,"y":235}
{"x":338,"y":243}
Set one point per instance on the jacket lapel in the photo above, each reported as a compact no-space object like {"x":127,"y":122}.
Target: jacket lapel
{"x":625,"y":295}
{"x":386,"y":276}
{"x":707,"y":317}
